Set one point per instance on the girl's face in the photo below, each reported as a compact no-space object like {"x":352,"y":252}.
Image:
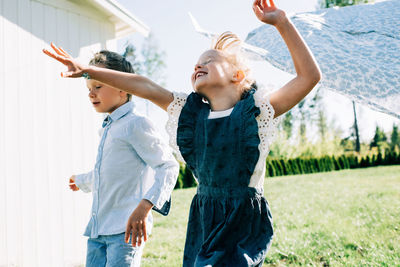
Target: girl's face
{"x":212,"y":71}
{"x":105,"y":99}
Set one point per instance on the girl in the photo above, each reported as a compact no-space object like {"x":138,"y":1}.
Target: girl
{"x":224,"y":140}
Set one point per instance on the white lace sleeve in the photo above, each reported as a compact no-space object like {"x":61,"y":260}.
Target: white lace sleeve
{"x":174,"y":110}
{"x":267,"y":125}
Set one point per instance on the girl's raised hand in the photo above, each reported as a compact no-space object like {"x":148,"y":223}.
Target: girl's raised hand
{"x":268,"y":13}
{"x":75,"y":69}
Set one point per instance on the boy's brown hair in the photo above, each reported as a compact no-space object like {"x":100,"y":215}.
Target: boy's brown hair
{"x":112,"y":60}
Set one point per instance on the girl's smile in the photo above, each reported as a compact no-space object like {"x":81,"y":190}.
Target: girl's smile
{"x":199,"y":74}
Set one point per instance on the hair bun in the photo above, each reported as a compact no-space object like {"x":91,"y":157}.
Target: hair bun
{"x":227,"y":41}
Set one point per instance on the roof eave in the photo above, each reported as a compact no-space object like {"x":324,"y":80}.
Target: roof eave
{"x":125,"y":22}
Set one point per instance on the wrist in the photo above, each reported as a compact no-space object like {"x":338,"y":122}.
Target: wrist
{"x":282,"y":23}
{"x":88,"y":72}
{"x":146,"y":204}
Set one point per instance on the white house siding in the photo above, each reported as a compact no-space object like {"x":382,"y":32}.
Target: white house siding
{"x":48,"y":130}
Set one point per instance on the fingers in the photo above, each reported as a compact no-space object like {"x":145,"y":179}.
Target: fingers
{"x":64,"y":52}
{"x":72,"y":184}
{"x":58,"y":51}
{"x":264,"y":3}
{"x":134,"y":237}
{"x":257,"y":3}
{"x":56,"y":57}
{"x":67,"y":74}
{"x":257,"y":8}
{"x":127,"y":233}
{"x":138,"y":234}
{"x":144,"y":231}
{"x":73,"y":187}
{"x":139,"y":237}
{"x":61,"y":56}
{"x":138,"y":231}
{"x":272,"y":3}
{"x":131,"y":229}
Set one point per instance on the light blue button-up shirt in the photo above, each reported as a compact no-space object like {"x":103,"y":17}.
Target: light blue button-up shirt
{"x":132,"y":164}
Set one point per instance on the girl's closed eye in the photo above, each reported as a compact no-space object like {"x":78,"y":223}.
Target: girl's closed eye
{"x":205,"y":62}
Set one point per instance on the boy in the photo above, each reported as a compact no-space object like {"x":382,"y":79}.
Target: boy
{"x":129,"y":146}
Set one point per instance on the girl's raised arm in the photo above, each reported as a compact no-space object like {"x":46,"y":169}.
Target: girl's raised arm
{"x":308,"y":73}
{"x":131,"y":83}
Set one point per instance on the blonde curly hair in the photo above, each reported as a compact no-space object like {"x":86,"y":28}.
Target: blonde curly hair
{"x":230,"y":44}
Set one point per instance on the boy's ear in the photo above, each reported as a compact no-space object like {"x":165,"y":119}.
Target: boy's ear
{"x":238,"y":76}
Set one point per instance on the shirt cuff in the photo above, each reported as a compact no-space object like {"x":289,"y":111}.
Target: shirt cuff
{"x":157,"y":194}
{"x":81,"y":183}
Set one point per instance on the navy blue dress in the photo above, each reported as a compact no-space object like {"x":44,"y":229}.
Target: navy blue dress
{"x":230,"y":224}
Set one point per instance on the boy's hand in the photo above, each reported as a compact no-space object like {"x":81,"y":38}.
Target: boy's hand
{"x":72,"y":184}
{"x":137,"y":223}
{"x":75,"y":69}
{"x":268,"y":13}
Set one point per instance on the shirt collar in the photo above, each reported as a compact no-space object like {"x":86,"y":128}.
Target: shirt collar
{"x":121,"y":111}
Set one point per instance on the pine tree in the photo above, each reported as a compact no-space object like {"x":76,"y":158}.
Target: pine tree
{"x":394,"y":138}
{"x":287,"y":124}
{"x":300,"y":163}
{"x":379,"y":139}
{"x":278,"y":167}
{"x":271,"y":169}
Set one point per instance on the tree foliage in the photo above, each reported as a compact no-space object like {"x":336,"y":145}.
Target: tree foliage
{"x":379,"y":139}
{"x":395,"y":138}
{"x":151,"y":62}
{"x":332,"y":3}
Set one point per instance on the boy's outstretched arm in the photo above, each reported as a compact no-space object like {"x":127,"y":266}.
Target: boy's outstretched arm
{"x":308,"y":72}
{"x":131,"y":83}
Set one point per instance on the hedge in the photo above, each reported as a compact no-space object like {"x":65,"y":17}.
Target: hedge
{"x":304,"y":165}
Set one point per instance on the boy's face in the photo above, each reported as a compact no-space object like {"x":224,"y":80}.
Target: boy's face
{"x":105,"y":99}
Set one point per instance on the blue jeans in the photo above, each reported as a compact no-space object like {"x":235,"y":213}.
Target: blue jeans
{"x":112,"y":251}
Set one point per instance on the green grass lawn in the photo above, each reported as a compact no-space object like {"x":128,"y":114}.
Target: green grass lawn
{"x":344,"y":218}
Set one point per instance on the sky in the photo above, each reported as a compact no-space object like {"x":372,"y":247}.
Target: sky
{"x":171,"y":26}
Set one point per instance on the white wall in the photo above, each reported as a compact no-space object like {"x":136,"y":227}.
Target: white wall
{"x":48,"y":130}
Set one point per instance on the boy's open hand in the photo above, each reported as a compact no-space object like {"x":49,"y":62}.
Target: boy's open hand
{"x":137,"y":223}
{"x":268,"y":13}
{"x":72,"y":184}
{"x":75,"y":69}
